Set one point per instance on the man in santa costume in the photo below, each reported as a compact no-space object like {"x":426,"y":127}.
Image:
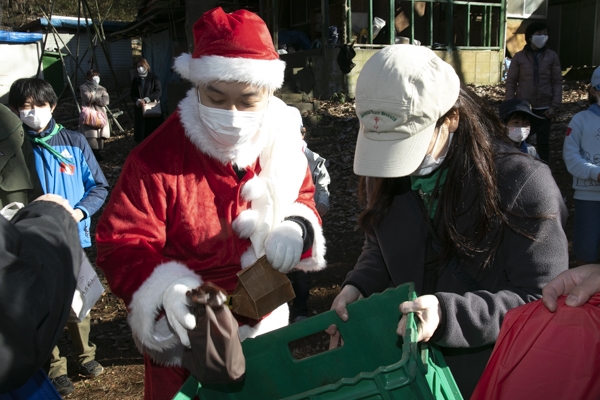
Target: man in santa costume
{"x":221,"y":183}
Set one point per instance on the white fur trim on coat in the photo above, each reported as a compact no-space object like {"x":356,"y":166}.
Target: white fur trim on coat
{"x":317,"y":261}
{"x":152,"y":337}
{"x":277,"y":319}
{"x":245,"y":224}
{"x":207,"y":69}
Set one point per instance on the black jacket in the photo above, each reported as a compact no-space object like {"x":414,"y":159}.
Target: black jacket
{"x":474,"y":305}
{"x":40,"y":257}
{"x":151,"y":89}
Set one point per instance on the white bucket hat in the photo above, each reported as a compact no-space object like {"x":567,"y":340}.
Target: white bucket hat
{"x":401,"y":92}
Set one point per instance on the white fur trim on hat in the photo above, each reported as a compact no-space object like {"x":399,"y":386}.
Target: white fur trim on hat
{"x":153,"y":337}
{"x":206,"y":69}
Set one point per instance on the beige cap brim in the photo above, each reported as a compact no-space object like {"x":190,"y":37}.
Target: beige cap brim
{"x":391,"y":158}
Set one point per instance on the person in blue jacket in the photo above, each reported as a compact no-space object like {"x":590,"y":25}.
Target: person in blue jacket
{"x":67,"y":167}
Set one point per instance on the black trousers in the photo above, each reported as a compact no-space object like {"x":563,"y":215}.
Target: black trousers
{"x":301,"y":284}
{"x":541,"y":128}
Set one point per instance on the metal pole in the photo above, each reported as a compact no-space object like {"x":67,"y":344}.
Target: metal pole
{"x":450,"y":27}
{"x":67,"y":75}
{"x":45,"y":41}
{"x":392,"y":27}
{"x":502,"y":32}
{"x":325,"y":23}
{"x":105,"y":51}
{"x":412,"y":21}
{"x":78,"y":38}
{"x":370,"y":35}
{"x":275,"y":24}
{"x":348,"y":30}
{"x":468,"y":24}
{"x":431,"y":25}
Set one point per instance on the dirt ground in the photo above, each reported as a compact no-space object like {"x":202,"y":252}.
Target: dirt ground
{"x":332,"y":132}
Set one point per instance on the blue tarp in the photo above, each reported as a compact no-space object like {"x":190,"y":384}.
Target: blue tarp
{"x":19,"y":37}
{"x":71,"y":23}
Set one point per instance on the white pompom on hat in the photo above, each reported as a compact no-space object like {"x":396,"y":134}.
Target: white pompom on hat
{"x":235,"y":47}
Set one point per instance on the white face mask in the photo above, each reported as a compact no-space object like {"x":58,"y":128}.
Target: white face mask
{"x":429,"y":163}
{"x":36,"y":118}
{"x":539,"y":40}
{"x":141,"y":70}
{"x":230,"y":128}
{"x":519,"y":134}
{"x":96,"y":79}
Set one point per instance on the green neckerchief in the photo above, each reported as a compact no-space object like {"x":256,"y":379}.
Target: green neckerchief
{"x":41,"y":141}
{"x":424,"y":185}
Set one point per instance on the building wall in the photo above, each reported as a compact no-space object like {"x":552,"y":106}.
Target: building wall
{"x":18,"y":61}
{"x":119,"y":53}
{"x":481,"y":67}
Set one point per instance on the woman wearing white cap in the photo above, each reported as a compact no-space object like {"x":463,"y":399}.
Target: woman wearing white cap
{"x":451,"y":205}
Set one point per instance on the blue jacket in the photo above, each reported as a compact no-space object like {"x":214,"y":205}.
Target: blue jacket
{"x":83,"y":184}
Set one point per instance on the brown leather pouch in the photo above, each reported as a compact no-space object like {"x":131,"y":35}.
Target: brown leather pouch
{"x":216,"y":353}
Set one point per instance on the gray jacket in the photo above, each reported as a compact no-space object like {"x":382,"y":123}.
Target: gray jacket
{"x":473,"y":301}
{"x":321,"y":179}
{"x":94,"y":96}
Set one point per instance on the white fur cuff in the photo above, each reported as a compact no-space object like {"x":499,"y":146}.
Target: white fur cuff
{"x":277,"y":319}
{"x":317,"y":261}
{"x":245,"y":224}
{"x":150,"y":335}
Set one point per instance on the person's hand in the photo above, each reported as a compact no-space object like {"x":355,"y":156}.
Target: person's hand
{"x":549,"y":113}
{"x":283,"y":246}
{"x":54,"y":198}
{"x":427,"y":310}
{"x":139,"y":102}
{"x":349,"y":294}
{"x":322,"y":208}
{"x":579,"y":284}
{"x":177,"y":307}
{"x":78,"y":214}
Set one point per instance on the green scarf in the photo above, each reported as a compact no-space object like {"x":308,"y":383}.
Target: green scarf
{"x":41,"y":141}
{"x":424,"y":185}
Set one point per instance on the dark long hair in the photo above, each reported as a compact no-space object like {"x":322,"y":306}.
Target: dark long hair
{"x":471,"y":167}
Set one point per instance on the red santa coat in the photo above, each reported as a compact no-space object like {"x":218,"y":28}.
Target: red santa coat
{"x":172,"y":213}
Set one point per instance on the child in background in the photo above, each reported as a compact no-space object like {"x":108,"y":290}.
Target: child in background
{"x":581,"y":152}
{"x":300,"y":279}
{"x":66,"y":166}
{"x":517,"y":116}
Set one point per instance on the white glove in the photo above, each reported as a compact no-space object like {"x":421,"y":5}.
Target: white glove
{"x":284,"y":245}
{"x":177,"y":307}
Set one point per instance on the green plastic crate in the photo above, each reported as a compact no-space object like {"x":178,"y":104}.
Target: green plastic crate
{"x":373,"y":363}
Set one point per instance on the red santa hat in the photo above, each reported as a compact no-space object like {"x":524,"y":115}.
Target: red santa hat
{"x":235,"y":47}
